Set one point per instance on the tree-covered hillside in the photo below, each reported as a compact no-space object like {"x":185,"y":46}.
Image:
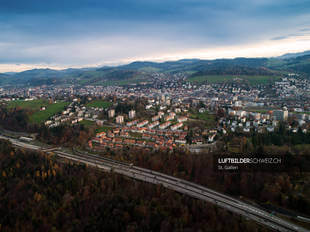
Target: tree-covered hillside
{"x":142,"y":71}
{"x":38,"y":193}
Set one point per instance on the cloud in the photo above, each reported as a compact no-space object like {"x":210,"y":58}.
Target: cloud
{"x":78,"y":32}
{"x":305,"y":29}
{"x":292,"y":35}
{"x":279,"y":37}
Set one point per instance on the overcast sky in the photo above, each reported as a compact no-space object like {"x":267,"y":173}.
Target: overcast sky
{"x":79,"y":33}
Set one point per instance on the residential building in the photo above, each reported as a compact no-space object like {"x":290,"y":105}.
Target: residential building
{"x":176,"y":126}
{"x":111,"y":113}
{"x":182,"y":119}
{"x":280,"y":115}
{"x":143,"y":123}
{"x":132,"y":114}
{"x":120,"y":119}
{"x":155,"y":118}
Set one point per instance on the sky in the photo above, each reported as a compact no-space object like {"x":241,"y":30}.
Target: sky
{"x":78,"y":33}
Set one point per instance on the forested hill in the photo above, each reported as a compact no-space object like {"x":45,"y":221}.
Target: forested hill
{"x":39,"y":194}
{"x":142,"y":71}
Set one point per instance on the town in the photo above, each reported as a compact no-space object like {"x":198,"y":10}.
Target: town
{"x":175,"y":113}
{"x":162,"y":116}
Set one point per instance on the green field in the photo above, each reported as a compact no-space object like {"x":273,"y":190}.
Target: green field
{"x":32,"y":105}
{"x":258,"y":110}
{"x":122,"y":82}
{"x":87,"y":123}
{"x":149,"y":69}
{"x":125,"y":82}
{"x":302,"y":113}
{"x":206,"y":116}
{"x":262,"y":110}
{"x":35,"y":105}
{"x":99,"y":104}
{"x":52,"y":109}
{"x":253,"y":80}
{"x":104,"y":128}
{"x":209,"y":119}
{"x":135,"y":134}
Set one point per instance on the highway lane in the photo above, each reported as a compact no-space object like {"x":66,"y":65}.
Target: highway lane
{"x":189,"y":185}
{"x":176,"y":184}
{"x":197,"y":191}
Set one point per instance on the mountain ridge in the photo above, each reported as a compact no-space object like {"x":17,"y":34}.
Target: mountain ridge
{"x":142,"y":70}
{"x":293,"y":55}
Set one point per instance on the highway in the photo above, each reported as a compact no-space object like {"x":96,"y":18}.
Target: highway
{"x":185,"y":187}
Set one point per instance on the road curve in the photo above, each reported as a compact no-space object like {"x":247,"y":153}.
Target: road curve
{"x":185,"y":187}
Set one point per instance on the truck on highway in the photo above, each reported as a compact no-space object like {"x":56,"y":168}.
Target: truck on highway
{"x":26,"y":139}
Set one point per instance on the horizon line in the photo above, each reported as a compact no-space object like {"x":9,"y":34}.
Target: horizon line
{"x":126,"y":62}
